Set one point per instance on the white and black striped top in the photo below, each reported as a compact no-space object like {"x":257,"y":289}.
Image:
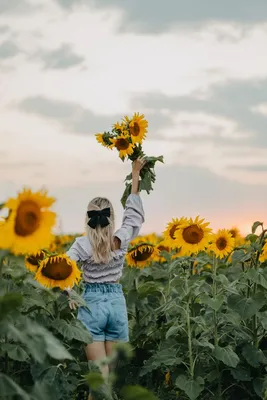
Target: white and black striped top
{"x":133,"y":218}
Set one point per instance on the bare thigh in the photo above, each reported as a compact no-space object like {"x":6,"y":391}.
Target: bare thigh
{"x":109,"y":347}
{"x":96,"y":351}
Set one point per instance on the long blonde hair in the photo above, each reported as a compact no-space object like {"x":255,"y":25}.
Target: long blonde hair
{"x":101,"y":239}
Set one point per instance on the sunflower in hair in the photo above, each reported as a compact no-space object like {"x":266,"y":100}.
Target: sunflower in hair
{"x":58,"y":271}
{"x":141,"y":255}
{"x":193,"y":236}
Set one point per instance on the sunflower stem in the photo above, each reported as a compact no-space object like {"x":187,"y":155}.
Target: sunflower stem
{"x":215,"y":322}
{"x":137,"y":314}
{"x":189,"y":332}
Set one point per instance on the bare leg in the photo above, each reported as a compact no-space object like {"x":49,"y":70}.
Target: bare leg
{"x":109,"y":348}
{"x":94,"y":352}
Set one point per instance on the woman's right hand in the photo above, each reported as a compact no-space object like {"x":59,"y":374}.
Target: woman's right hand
{"x":138,"y":165}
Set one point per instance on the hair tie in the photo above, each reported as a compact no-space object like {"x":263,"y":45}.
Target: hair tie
{"x":98,"y":217}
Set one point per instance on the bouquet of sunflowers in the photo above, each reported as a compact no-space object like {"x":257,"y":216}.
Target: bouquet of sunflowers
{"x":127,"y":138}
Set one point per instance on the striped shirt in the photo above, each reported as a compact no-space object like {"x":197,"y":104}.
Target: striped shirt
{"x":81,"y":251}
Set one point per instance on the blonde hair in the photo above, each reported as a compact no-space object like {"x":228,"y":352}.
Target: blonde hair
{"x":101,"y":239}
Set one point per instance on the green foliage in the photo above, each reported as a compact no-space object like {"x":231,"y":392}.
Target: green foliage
{"x":195,"y":333}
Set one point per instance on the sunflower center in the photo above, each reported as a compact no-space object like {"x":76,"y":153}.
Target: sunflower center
{"x":221,"y":243}
{"x":135,"y":129}
{"x":28,"y":218}
{"x":193,"y":234}
{"x":143,"y":255}
{"x":34,"y":260}
{"x":163,"y":248}
{"x":233,"y":233}
{"x":58,"y":270}
{"x":122,"y":144}
{"x":173,"y":230}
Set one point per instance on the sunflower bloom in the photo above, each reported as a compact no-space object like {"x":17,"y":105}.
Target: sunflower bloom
{"x":263,"y":255}
{"x":28,"y":227}
{"x":141,"y":255}
{"x":222,"y":243}
{"x":161,"y":246}
{"x":172,"y":227}
{"x":119,"y":127}
{"x":103,"y":139}
{"x":58,"y":271}
{"x":122,"y":144}
{"x":138,"y":128}
{"x":193,"y":236}
{"x":32,"y":261}
{"x":236,"y":234}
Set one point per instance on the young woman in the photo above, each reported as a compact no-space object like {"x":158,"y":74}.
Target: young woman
{"x":101,"y":253}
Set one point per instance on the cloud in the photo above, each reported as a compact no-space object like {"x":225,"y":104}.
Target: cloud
{"x":73,"y":117}
{"x":260,"y":109}
{"x":62,"y":58}
{"x":8,"y":49}
{"x":4,"y":28}
{"x":158,"y":16}
{"x":16,"y":6}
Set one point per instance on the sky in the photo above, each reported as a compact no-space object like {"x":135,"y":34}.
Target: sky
{"x":196,"y":69}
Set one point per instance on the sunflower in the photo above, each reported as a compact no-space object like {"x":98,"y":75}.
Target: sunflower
{"x":141,"y":255}
{"x":236,"y":234}
{"x":171,"y":228}
{"x":58,"y":271}
{"x":193,"y":236}
{"x":32,"y":260}
{"x":123,"y":145}
{"x":27,"y":229}
{"x":161,"y":246}
{"x":138,"y":127}
{"x":104,"y":139}
{"x":222,"y":243}
{"x":263,"y":256}
{"x":119,"y":127}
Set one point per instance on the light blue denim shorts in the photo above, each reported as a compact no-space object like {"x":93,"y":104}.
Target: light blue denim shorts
{"x":106,"y":318}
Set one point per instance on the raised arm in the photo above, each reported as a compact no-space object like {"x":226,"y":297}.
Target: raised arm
{"x":134,"y":215}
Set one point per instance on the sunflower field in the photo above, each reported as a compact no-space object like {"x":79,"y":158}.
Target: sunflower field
{"x":197,"y":307}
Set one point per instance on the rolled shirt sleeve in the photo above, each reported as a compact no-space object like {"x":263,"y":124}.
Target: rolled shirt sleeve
{"x":133,"y":218}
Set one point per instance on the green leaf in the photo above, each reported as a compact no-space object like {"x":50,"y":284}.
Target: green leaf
{"x":137,"y":393}
{"x":10,"y":388}
{"x":226,"y":355}
{"x":255,"y":226}
{"x":214,"y":303}
{"x":253,"y":356}
{"x":9,"y":303}
{"x":149,"y":288}
{"x":258,"y":386}
{"x":203,"y":343}
{"x":172,"y":331}
{"x":263,"y":319}
{"x":164,"y":357}
{"x":95,"y":380}
{"x":72,"y":330}
{"x":14,"y":351}
{"x":257,"y":276}
{"x":241,"y":374}
{"x":240,"y":256}
{"x":191,"y":387}
{"x":41,"y":391}
{"x":246,"y":307}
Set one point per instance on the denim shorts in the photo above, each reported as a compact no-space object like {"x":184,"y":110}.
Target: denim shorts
{"x":106,"y":319}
